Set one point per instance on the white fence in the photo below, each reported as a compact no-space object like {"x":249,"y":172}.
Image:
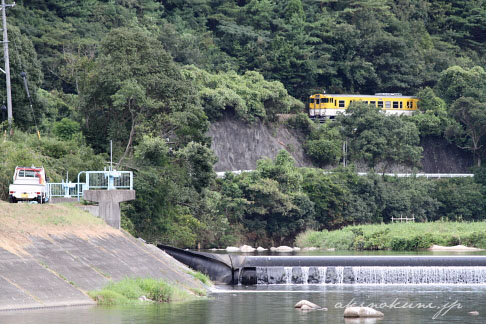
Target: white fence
{"x":399,"y":175}
{"x":94,"y":180}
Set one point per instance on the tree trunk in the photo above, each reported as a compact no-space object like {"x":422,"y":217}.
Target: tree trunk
{"x":130,"y":141}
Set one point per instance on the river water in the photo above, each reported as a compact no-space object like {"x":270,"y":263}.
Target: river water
{"x":268,"y":304}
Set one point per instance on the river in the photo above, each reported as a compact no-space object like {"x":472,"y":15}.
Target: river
{"x":274,"y":304}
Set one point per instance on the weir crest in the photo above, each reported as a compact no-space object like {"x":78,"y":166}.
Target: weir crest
{"x":370,"y":275}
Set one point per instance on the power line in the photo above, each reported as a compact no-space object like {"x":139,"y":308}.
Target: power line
{"x":7,"y":63}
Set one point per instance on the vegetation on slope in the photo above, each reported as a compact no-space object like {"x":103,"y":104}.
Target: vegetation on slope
{"x":151,"y":75}
{"x":273,"y":204}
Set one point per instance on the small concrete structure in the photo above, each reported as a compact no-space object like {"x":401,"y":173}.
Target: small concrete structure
{"x":109,"y":203}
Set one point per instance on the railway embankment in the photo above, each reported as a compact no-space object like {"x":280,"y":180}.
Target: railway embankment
{"x":53,"y":255}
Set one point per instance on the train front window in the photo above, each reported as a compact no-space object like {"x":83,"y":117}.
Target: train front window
{"x":26,"y":174}
{"x":311,"y":100}
{"x":317,"y":101}
{"x":325,"y":100}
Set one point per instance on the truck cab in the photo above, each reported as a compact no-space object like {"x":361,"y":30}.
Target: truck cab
{"x":29,"y":184}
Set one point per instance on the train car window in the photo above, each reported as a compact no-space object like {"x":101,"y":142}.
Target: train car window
{"x":332,"y":99}
{"x":387,"y":104}
{"x":341,"y":103}
{"x":366,"y":102}
{"x":373,"y":103}
{"x":401,"y":104}
{"x":335,"y":103}
{"x":380,"y":104}
{"x":395,"y":104}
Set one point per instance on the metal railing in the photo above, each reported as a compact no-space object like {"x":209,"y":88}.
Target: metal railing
{"x":94,"y":180}
{"x":398,"y":175}
{"x":402,"y":219}
{"x":101,"y":179}
{"x":64,"y":189}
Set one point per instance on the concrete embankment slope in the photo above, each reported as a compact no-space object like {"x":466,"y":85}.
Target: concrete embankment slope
{"x":52,"y":255}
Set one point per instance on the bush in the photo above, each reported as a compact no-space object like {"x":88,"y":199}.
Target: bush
{"x":301,"y":122}
{"x":108,"y":297}
{"x":339,"y":240}
{"x":157,"y":290}
{"x":128,"y":291}
{"x":398,"y":237}
{"x":66,"y":129}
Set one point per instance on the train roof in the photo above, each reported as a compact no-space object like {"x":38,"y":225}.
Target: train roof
{"x":378,"y":95}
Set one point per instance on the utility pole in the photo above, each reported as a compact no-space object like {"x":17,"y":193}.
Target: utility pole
{"x":7,"y":63}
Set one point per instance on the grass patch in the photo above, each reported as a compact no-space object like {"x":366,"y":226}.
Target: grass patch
{"x":201,"y":277}
{"x":128,"y":291}
{"x":397,"y":236}
{"x":198,"y":292}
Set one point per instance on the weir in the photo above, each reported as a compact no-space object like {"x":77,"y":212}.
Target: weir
{"x":324,"y":270}
{"x":367,"y":275}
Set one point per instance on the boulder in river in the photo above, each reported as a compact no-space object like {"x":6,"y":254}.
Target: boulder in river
{"x":455,"y":248}
{"x":306,"y":308}
{"x":284,"y":248}
{"x":247,"y":248}
{"x":260,"y":249}
{"x":362,"y":312}
{"x":144,"y":298}
{"x":232,"y":249}
{"x":307,"y":304}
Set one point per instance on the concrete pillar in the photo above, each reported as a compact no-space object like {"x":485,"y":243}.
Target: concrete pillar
{"x":109,"y":203}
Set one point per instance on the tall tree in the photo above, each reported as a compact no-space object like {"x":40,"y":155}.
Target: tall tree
{"x":375,"y":137}
{"x":472,"y":114}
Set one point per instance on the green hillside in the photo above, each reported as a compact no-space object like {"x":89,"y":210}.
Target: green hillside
{"x":152,"y":75}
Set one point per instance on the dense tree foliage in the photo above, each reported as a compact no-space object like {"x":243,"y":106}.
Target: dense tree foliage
{"x":151,"y":75}
{"x":269,"y":206}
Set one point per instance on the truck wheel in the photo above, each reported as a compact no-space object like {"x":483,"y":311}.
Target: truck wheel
{"x":12,"y":199}
{"x":39,"y":200}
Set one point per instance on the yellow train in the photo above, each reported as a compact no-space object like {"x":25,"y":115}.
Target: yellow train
{"x":327,"y":106}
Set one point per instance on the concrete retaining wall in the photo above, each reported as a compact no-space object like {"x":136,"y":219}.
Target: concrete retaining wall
{"x":59,"y":271}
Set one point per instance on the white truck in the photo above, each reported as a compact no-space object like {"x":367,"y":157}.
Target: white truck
{"x":29,"y":184}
